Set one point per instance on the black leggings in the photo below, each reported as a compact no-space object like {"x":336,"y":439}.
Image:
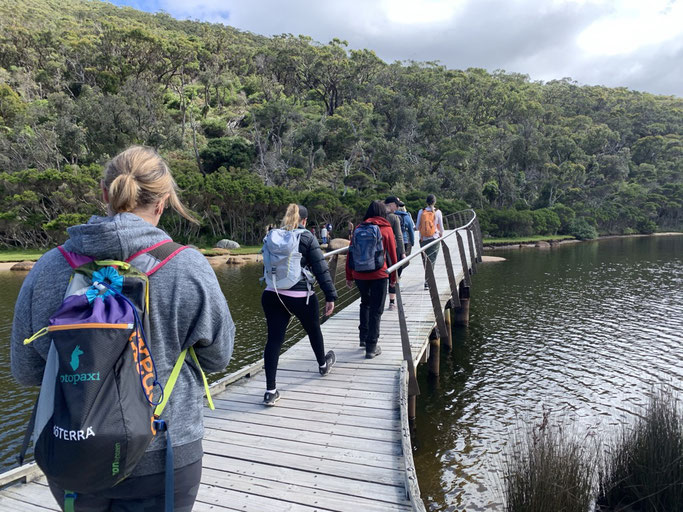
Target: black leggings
{"x":373,"y":294}
{"x":140,"y":493}
{"x":277,"y":319}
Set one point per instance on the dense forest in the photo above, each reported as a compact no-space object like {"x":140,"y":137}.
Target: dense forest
{"x":250,"y":123}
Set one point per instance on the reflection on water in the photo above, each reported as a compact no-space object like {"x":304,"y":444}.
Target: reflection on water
{"x":583,"y":331}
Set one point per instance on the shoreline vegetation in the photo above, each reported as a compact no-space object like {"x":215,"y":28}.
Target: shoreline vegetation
{"x":251,"y":254}
{"x":249,"y":124}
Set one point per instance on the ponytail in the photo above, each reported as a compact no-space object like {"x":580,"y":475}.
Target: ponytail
{"x":291,"y":219}
{"x":139,"y":177}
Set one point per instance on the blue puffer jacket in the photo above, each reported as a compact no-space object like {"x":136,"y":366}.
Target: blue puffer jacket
{"x":408,"y":227}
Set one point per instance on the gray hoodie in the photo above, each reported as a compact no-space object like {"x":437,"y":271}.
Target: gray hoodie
{"x":187,"y":308}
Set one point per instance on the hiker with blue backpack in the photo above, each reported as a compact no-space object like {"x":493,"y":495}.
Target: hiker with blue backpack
{"x":116,"y":326}
{"x":371,"y":252}
{"x":292,"y":261}
{"x":403,"y":223}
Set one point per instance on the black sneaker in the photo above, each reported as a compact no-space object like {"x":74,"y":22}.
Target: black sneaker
{"x":373,"y":353}
{"x":270,"y":398}
{"x":330,"y":359}
{"x":426,"y":286}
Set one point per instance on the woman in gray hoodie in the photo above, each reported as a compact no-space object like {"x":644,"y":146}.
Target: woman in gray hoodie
{"x":187,"y":309}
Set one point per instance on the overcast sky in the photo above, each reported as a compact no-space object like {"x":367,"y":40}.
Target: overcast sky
{"x":633,"y":43}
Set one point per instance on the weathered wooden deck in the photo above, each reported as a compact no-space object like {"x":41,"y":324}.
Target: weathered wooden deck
{"x":339,"y":442}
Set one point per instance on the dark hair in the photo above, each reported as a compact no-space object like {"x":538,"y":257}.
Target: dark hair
{"x":431,"y":199}
{"x":376,"y":209}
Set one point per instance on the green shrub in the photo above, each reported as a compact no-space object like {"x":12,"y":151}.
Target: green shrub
{"x":214,"y":127}
{"x":581,"y":229}
{"x":546,"y":221}
{"x":227,"y":152}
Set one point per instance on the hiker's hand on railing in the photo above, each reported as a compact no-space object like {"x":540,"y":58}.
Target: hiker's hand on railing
{"x":329,"y":307}
{"x":349,"y":283}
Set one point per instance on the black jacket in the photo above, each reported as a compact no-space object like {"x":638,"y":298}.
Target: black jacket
{"x":313,"y":259}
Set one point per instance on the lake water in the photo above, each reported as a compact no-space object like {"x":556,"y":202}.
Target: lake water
{"x":583,"y":331}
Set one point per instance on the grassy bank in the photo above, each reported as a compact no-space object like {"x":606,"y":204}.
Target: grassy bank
{"x":526,"y":239}
{"x":23,"y":255}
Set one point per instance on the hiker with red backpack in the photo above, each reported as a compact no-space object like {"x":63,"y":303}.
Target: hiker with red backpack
{"x":288,"y":254}
{"x":371,"y":252}
{"x":430,"y":225}
{"x":131,"y":319}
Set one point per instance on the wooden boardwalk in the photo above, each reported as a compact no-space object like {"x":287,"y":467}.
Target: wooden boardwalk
{"x":333,"y":443}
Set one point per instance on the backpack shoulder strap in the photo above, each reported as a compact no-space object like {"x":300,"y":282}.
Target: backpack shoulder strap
{"x":74,"y":259}
{"x":152,"y":258}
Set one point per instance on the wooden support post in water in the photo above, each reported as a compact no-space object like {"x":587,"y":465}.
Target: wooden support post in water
{"x":462,"y":312}
{"x":448,"y":339}
{"x":412,"y":407}
{"x":434,"y":353}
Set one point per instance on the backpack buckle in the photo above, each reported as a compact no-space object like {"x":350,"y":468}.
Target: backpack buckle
{"x":160,"y":425}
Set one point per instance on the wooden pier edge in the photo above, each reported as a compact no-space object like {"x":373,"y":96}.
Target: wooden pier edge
{"x":412,"y":487}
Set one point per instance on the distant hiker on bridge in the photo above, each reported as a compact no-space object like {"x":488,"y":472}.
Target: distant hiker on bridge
{"x":372,"y":246}
{"x":292,"y":260}
{"x":118,"y":322}
{"x":430,"y":226}
{"x":397,"y":225}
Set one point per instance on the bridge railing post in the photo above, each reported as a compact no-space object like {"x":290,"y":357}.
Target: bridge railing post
{"x":463,"y":260}
{"x":470,"y":245}
{"x":413,"y":386}
{"x":452,"y":282}
{"x":333,"y":267}
{"x":434,"y":294}
{"x":478,"y":240}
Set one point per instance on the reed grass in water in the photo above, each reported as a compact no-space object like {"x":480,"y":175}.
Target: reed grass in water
{"x":643,"y":472}
{"x":548,"y":469}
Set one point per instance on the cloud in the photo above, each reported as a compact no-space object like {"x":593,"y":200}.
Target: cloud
{"x":629,"y":43}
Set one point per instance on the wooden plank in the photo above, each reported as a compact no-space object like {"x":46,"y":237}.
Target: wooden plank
{"x":257,"y":411}
{"x":339,"y":484}
{"x":311,"y":462}
{"x":309,"y":398}
{"x":307,"y":424}
{"x":227,"y":499}
{"x":315,"y":407}
{"x":316,"y":440}
{"x":31,"y":494}
{"x":293,"y":493}
{"x":10,"y":504}
{"x":321,"y":388}
{"x":279,"y":446}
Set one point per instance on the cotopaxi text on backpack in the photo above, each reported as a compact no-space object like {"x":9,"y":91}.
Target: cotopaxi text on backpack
{"x":100,"y":401}
{"x":367,"y":249}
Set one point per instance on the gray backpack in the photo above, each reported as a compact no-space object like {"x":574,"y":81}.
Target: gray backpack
{"x":282,"y":259}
